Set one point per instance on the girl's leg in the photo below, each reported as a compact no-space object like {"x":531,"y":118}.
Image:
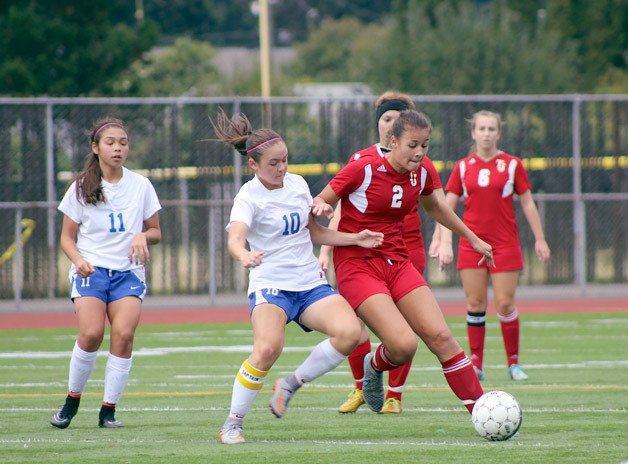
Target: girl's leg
{"x":504,"y":288}
{"x":90,"y":312}
{"x":356,"y":363}
{"x":124,"y":316}
{"x":398,"y":345}
{"x":422,"y":312}
{"x":269,"y":322}
{"x":475,"y":284}
{"x":334,"y":317}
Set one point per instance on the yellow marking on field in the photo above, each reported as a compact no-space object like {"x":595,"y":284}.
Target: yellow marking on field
{"x":327,"y":390}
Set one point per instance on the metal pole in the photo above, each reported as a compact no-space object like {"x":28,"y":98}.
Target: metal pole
{"x":51,"y":196}
{"x":264,"y":49}
{"x":579,"y":220}
{"x":212,"y":254}
{"x":237,"y":183}
{"x":19,"y":257}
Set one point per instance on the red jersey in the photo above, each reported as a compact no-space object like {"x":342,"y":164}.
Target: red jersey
{"x":487,"y":188}
{"x":412,"y":222}
{"x":376,"y":197}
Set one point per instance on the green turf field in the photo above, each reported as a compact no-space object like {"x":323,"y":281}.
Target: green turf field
{"x":575,"y":403}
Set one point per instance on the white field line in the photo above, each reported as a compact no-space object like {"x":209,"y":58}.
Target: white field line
{"x":321,"y":408}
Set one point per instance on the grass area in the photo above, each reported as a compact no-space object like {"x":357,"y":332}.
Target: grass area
{"x":574,"y":404}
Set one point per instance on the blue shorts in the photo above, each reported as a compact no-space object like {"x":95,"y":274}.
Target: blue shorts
{"x":293,"y":303}
{"x":108,"y":285}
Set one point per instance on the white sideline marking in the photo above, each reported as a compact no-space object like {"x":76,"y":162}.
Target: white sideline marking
{"x":321,"y":408}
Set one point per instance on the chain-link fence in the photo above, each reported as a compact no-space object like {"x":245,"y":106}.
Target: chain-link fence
{"x":575,"y":148}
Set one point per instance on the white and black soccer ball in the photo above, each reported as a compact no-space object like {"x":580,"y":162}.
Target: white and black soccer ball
{"x":496,"y":415}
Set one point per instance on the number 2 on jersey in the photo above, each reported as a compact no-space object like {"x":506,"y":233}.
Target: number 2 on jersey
{"x":397,"y":196}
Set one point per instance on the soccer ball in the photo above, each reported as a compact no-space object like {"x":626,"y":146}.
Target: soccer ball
{"x":496,"y":415}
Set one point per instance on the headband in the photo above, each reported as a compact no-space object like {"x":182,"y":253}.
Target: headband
{"x":261,"y":145}
{"x":105,"y":125}
{"x":397,"y":105}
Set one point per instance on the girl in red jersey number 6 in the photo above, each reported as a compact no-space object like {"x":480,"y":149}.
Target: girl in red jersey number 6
{"x":382,"y":285}
{"x":487,"y":180}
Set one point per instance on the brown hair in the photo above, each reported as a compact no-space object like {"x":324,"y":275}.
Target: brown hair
{"x":394,"y":95}
{"x":491,"y":114}
{"x":237,"y":131}
{"x":410,"y":118}
{"x":88,"y":187}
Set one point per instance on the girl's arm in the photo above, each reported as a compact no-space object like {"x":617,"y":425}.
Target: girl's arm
{"x":440,"y":210}
{"x":138,"y":251}
{"x":324,"y":256}
{"x":69,"y":230}
{"x":326,"y":236}
{"x":534,"y":220}
{"x":236,"y":244}
{"x":323,"y":203}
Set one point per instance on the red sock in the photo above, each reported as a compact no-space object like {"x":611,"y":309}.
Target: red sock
{"x":476,"y":332}
{"x":397,"y":380}
{"x":510,"y":334}
{"x":462,"y":379}
{"x":74,"y":395}
{"x":380,"y":360}
{"x":356,"y":362}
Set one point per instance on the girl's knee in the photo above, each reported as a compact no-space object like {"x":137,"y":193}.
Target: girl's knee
{"x":267,"y":353}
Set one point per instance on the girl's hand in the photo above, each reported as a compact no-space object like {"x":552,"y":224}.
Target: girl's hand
{"x":368,"y":239}
{"x":542,"y":250}
{"x":444,"y":254}
{"x":251,"y":259}
{"x":138,"y":251}
{"x":322,"y":209}
{"x":485,"y":250}
{"x":84,"y":268}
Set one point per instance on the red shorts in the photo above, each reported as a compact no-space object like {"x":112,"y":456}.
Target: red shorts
{"x":417,"y":258}
{"x":360,"y":278}
{"x":506,"y":259}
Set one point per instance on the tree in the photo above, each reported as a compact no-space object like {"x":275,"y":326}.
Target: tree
{"x":326,"y":53}
{"x":66,"y":48}
{"x":184,"y":68}
{"x":453,"y":48}
{"x":600,"y":30}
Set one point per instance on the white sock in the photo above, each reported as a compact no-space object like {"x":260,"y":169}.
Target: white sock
{"x":82,"y":364}
{"x":248,"y":383}
{"x":116,"y":377}
{"x":323,"y":358}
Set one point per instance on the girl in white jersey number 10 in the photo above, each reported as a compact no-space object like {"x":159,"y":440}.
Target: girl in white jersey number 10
{"x":110,"y":218}
{"x":286,"y":283}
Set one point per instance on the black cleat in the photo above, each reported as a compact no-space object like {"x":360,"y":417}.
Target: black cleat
{"x":109,"y":423}
{"x":106,"y":418}
{"x":64,"y":416}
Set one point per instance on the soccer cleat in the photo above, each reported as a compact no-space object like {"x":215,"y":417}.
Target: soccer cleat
{"x":391,"y":406}
{"x":372,"y":386}
{"x":231,"y":432}
{"x":106,"y":419}
{"x":517,"y":373}
{"x":479,"y":372}
{"x":282,"y":396}
{"x":64,"y":416}
{"x":353,"y":402}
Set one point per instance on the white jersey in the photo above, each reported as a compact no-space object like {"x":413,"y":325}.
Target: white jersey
{"x":277,"y":221}
{"x":106,"y":230}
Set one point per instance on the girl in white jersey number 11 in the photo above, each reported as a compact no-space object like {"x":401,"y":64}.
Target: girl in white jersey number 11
{"x":110,"y":218}
{"x":286,"y":283}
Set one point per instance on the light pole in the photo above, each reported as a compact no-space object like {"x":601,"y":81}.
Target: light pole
{"x":264,"y":50}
